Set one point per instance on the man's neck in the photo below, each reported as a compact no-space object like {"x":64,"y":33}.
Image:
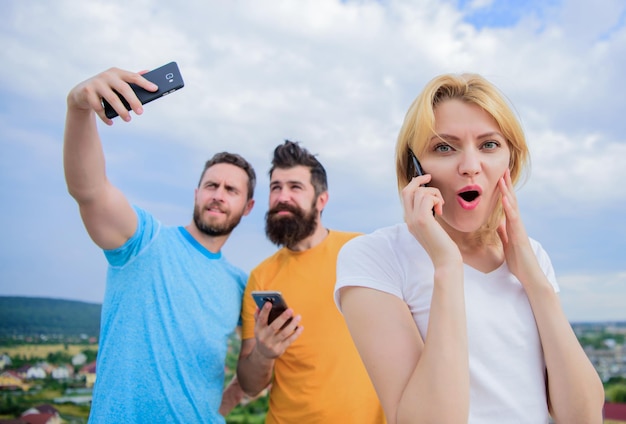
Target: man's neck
{"x":212,"y":243}
{"x":311,"y":241}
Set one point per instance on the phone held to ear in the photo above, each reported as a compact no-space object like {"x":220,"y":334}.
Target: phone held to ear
{"x":415,"y":168}
{"x":276,"y":299}
{"x":167,"y":78}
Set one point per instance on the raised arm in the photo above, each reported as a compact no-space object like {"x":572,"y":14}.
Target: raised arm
{"x":418,"y":380}
{"x":107,"y":215}
{"x":575,"y":391}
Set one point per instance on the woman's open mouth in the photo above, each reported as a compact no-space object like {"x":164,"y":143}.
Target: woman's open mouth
{"x":469,"y":197}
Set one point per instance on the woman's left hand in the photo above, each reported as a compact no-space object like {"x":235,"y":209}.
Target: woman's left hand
{"x":517,"y":250}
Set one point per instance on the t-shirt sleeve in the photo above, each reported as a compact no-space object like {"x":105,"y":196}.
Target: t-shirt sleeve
{"x":368,"y":261}
{"x":147,"y":229}
{"x":248,"y":309}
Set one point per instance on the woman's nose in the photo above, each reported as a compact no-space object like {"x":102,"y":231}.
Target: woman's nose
{"x":470,"y":163}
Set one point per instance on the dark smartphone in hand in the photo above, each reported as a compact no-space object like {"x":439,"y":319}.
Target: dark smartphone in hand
{"x":167,"y":78}
{"x":415,"y":168}
{"x":276,"y":299}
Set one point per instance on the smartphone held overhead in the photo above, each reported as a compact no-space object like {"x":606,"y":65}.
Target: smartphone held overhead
{"x":167,"y":77}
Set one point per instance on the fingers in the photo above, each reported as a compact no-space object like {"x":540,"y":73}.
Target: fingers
{"x":511,"y":230}
{"x":110,"y":86}
{"x":419,"y":200}
{"x":86,"y":97}
{"x":502,"y":232}
{"x":421,"y":180}
{"x":284,"y":324}
{"x":119,"y":93}
{"x":263,"y":314}
{"x":273,"y":339}
{"x":509,"y":200}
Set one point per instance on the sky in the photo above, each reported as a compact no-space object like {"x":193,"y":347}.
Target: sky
{"x":337,"y":76}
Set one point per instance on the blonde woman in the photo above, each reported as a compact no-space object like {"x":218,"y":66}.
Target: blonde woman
{"x":455,"y":312}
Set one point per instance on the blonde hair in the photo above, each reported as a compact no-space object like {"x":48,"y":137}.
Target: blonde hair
{"x":419,"y":125}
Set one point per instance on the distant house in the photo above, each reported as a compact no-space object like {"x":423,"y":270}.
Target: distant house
{"x":79,"y":359}
{"x":62,"y":372}
{"x":41,"y":419}
{"x":21,"y":371}
{"x":88,"y":371}
{"x":36,"y":372}
{"x":11,"y":380}
{"x":41,"y":414}
{"x":44,"y":408}
{"x":46,"y":367}
{"x":5,"y":361}
{"x":615,"y":411}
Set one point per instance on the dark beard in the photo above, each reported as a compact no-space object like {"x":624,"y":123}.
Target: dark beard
{"x":289,"y":230}
{"x":215,"y":230}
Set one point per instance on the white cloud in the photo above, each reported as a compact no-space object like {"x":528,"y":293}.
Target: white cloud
{"x":593,"y":297}
{"x":479,"y":4}
{"x":582,"y":170}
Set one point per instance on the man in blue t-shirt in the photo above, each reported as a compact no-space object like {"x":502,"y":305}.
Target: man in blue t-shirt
{"x":163,"y":337}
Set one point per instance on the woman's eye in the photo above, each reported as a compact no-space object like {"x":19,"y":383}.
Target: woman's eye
{"x":443,"y":148}
{"x":491,"y":144}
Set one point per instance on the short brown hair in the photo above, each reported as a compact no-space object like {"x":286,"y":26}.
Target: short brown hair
{"x":290,"y":154}
{"x":238,"y":161}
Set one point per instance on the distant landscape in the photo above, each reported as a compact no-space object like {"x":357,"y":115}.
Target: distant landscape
{"x":48,"y":318}
{"x":33,"y":330}
{"x":52,"y":331}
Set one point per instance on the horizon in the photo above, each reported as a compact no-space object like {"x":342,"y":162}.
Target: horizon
{"x":100,"y":304}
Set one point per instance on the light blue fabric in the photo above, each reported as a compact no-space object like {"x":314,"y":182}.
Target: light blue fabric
{"x":169,"y":308}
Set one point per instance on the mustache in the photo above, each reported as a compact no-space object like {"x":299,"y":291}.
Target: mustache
{"x":216,"y":205}
{"x":282,"y":207}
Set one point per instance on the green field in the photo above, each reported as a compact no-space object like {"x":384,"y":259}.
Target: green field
{"x":41,"y":351}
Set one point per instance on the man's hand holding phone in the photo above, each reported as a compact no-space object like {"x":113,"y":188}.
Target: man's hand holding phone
{"x":122,"y":98}
{"x":89,"y":94}
{"x":116,"y":91}
{"x":276,"y":327}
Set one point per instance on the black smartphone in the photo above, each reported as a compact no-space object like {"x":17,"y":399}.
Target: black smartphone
{"x":167,"y":78}
{"x":415,"y":168}
{"x":276,"y":299}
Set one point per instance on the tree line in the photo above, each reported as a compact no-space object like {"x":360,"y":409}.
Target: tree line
{"x":48,"y":318}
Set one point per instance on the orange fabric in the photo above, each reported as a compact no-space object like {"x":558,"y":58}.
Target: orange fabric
{"x":320,"y":378}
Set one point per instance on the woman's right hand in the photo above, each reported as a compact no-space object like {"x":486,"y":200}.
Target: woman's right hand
{"x":421,"y":204}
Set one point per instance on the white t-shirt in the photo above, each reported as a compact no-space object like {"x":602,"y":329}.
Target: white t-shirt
{"x":507,"y":369}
